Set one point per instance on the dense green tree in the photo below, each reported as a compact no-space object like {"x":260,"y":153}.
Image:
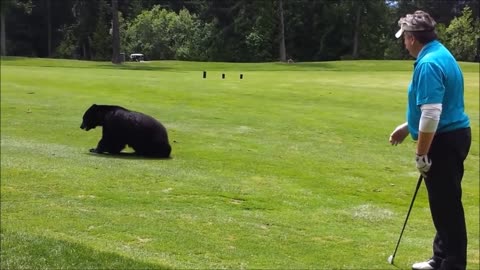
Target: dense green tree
{"x":148,"y":34}
{"x":318,"y":30}
{"x":368,"y":23}
{"x":226,"y":30}
{"x":4,"y":7}
{"x":192,"y":38}
{"x":442,"y":10}
{"x":101,"y":37}
{"x":87,"y":35}
{"x":9,"y":7}
{"x":163,"y":34}
{"x":283,"y":49}
{"x":228,"y":19}
{"x":86,"y":14}
{"x":462,"y":34}
{"x":258,"y":31}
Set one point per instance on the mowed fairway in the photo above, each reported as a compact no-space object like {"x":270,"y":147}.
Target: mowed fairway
{"x":288,"y":168}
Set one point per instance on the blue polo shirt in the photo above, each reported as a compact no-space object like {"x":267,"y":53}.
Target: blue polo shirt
{"x":437,"y":78}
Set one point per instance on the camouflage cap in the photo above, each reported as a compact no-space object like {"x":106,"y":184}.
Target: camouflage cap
{"x":416,"y":22}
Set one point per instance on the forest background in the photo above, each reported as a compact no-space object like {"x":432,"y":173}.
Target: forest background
{"x":228,"y":30}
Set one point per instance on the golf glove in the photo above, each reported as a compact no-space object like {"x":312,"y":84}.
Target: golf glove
{"x":423,"y":164}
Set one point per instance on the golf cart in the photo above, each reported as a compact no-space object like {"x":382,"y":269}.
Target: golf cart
{"x":138,"y":57}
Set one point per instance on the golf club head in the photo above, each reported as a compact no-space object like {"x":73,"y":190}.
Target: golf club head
{"x":390,"y":259}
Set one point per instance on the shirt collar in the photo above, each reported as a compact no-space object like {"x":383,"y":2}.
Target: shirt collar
{"x":425,"y":50}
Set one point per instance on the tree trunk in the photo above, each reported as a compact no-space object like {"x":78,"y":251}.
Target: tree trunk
{"x":283,"y":50}
{"x":49,"y":29}
{"x":357,"y":31}
{"x":115,"y":33}
{"x":3,"y":34}
{"x":84,"y":52}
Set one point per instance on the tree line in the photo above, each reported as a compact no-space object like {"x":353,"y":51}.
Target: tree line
{"x":228,"y":30}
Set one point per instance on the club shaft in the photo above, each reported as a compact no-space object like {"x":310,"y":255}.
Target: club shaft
{"x":408,"y":214}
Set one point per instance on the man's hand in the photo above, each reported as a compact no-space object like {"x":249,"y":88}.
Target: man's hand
{"x":399,"y":134}
{"x":423,"y":164}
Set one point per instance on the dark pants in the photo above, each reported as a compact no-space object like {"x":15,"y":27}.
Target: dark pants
{"x":448,"y":152}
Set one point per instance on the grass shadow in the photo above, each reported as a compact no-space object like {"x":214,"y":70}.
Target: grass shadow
{"x":137,"y":66}
{"x":115,"y":67}
{"x":126,"y":155}
{"x":28,"y":251}
{"x":79,"y":64}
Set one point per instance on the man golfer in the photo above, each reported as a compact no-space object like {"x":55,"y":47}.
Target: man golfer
{"x":437,"y":121}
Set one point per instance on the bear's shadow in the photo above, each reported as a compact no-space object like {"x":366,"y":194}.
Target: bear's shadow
{"x":126,"y":155}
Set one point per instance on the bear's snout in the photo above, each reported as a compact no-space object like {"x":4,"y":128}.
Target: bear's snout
{"x":83,"y":126}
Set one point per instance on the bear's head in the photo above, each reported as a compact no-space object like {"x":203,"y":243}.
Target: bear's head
{"x":91,"y":118}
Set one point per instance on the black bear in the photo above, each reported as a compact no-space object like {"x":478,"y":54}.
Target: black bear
{"x":122,"y":127}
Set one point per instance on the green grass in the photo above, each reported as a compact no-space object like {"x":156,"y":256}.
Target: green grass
{"x":289,"y":168}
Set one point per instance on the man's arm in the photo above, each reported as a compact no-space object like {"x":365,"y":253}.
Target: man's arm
{"x":428,"y":126}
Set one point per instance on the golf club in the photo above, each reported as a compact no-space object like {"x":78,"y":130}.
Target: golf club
{"x":392,"y":257}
